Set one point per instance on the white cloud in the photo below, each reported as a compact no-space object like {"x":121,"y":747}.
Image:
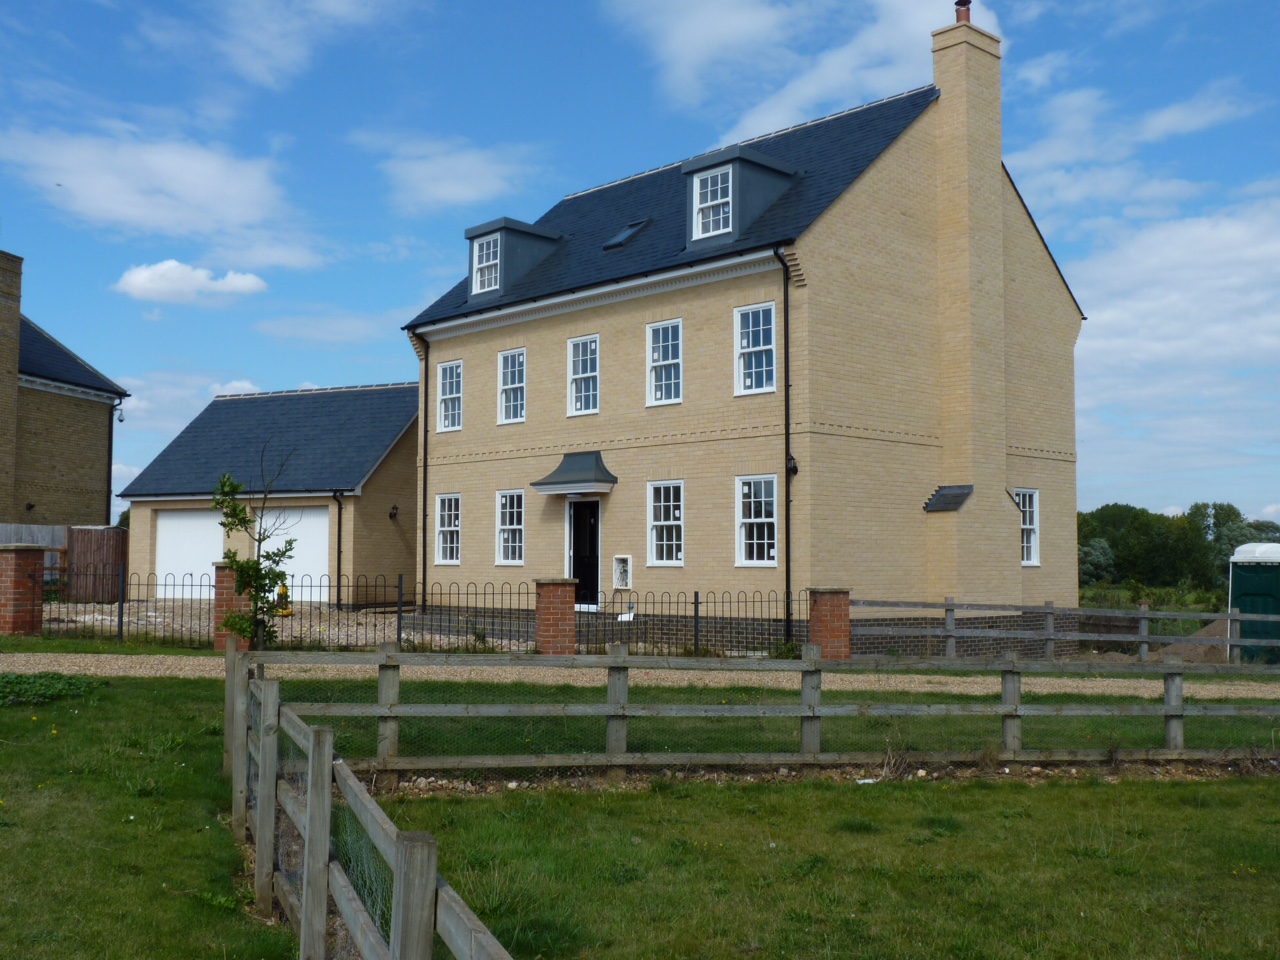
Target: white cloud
{"x":776,"y":63}
{"x":162,"y":402}
{"x":172,"y":282}
{"x":167,"y":187}
{"x":266,"y":42}
{"x":1043,"y":70}
{"x":1089,"y":154}
{"x":1176,"y":383}
{"x":429,"y":174}
{"x":233,"y":386}
{"x":1270,"y":512}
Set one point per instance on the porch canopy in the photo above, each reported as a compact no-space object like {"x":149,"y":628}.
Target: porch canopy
{"x":578,"y":473}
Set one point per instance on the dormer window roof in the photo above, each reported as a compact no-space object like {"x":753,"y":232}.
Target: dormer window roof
{"x":729,"y":188}
{"x":503,"y":251}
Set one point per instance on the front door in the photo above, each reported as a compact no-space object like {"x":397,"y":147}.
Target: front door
{"x":584,"y":549}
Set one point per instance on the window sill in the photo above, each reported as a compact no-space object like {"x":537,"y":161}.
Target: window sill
{"x":771,"y":565}
{"x":755,"y":393}
{"x":676,"y":564}
{"x":1030,"y":563}
{"x":664,"y":403}
{"x":448,"y":429}
{"x":508,"y":563}
{"x":507,"y":423}
{"x":583,"y":413}
{"x":448,"y":563}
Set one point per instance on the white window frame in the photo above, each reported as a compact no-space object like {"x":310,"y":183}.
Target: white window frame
{"x":573,"y":380}
{"x":504,"y":387}
{"x":652,"y":363}
{"x":442,"y":529}
{"x":741,"y":522}
{"x":739,"y":381}
{"x":699,"y":205}
{"x":515,"y":557}
{"x":441,"y":398}
{"x":1028,"y":501}
{"x":676,"y":521}
{"x":486,"y":253}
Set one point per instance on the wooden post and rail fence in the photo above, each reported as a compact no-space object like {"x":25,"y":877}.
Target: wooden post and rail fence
{"x":422,"y":903}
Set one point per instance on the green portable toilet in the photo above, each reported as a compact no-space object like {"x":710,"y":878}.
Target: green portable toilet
{"x":1255,"y":588}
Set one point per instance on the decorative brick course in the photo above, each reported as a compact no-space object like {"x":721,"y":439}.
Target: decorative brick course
{"x":556,"y":625}
{"x":226,"y":600}
{"x":21,"y":589}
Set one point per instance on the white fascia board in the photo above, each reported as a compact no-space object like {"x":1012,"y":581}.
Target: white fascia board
{"x":551,"y":489}
{"x":327,"y":494}
{"x":741,"y":265}
{"x":65,"y":389}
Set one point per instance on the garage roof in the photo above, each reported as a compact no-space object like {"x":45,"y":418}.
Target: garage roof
{"x":304,"y":441}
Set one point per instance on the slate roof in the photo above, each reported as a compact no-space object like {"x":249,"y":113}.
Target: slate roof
{"x":829,"y":153}
{"x":43,"y":357}
{"x":329,"y":439}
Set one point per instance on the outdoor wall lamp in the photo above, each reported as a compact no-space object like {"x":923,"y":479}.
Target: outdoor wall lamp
{"x":395,"y":512}
{"x":792,"y":467}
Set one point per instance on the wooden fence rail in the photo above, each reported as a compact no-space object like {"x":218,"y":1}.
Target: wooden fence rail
{"x":422,"y":904}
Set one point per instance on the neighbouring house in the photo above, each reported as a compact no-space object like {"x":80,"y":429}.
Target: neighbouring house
{"x":57,"y":415}
{"x":338,"y":468}
{"x":839,"y":355}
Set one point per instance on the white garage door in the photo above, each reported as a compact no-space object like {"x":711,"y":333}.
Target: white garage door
{"x":308,"y":568}
{"x":188,"y":544}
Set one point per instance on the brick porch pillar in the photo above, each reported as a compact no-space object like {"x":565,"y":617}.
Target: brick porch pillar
{"x":226,"y":600}
{"x":555,"y":629}
{"x":21,"y":589}
{"x":829,"y":621}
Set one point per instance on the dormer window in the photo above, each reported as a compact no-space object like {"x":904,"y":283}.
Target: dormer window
{"x":713,"y":210}
{"x":484,"y":273}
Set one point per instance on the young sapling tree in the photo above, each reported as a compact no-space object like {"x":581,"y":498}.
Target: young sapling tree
{"x":262,"y":576}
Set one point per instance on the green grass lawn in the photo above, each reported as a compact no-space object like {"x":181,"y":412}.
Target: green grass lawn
{"x":112,"y":835}
{"x":972,"y":871}
{"x":55,"y":644}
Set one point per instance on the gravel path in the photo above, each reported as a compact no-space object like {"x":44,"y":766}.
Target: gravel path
{"x":113,"y":665}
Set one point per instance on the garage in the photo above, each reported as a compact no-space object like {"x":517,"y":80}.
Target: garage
{"x":189,"y":542}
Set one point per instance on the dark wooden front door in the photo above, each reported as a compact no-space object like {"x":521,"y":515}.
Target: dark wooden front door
{"x":584,"y":549}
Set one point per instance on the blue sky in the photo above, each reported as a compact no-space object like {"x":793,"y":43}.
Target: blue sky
{"x":242,"y":194}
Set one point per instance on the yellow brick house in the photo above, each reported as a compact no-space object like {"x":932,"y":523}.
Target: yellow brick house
{"x":837,"y":355}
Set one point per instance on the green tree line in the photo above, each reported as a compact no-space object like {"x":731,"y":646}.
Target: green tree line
{"x":1123,"y":544}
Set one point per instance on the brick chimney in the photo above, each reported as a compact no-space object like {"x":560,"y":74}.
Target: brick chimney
{"x":971,"y":325}
{"x":10,"y":325}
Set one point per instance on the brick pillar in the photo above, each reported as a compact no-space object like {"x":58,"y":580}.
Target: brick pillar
{"x":21,"y":589}
{"x":226,"y":600}
{"x":829,"y":621}
{"x":555,"y":622}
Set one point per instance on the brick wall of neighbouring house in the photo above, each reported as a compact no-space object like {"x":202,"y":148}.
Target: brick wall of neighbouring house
{"x":62,"y":456}
{"x":21,"y":590}
{"x":10,"y":325}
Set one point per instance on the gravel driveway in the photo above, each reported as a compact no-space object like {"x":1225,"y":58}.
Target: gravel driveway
{"x":140,"y":665}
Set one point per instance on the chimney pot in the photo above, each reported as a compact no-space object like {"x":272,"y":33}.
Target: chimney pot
{"x":962,"y":11}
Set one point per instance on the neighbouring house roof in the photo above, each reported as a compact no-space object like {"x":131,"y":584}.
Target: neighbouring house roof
{"x":44,"y":358}
{"x":828,"y":155}
{"x":305,"y":441}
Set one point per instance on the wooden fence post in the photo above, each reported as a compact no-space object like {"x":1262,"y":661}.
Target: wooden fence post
{"x":1011,"y":696}
{"x":229,"y":706}
{"x":618,"y":696}
{"x":1144,"y":629}
{"x":1233,"y":636}
{"x":240,"y":751}
{"x":264,"y":833}
{"x":315,"y":852}
{"x":1173,"y":730}
{"x":388,"y":696}
{"x":950,"y":626}
{"x":1048,"y":630}
{"x":811,"y":696}
{"x":413,"y":897}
